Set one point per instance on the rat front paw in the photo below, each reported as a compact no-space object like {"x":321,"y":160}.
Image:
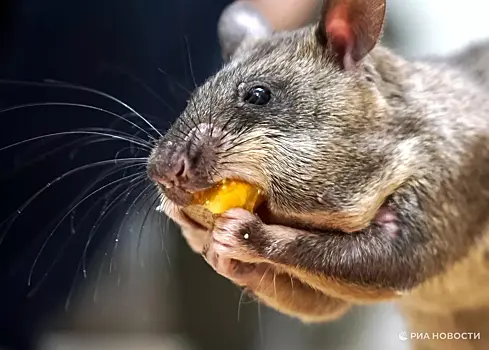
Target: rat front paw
{"x":238,"y":272}
{"x":237,"y":235}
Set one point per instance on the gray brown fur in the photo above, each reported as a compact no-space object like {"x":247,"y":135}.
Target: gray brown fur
{"x":334,"y":145}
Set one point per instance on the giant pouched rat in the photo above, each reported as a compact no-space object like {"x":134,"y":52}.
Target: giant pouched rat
{"x":375,"y":170}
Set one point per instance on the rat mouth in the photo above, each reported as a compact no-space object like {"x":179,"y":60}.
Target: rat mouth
{"x":385,"y":216}
{"x":261,"y":211}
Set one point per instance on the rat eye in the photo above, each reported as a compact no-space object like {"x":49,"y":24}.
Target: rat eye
{"x":258,"y":95}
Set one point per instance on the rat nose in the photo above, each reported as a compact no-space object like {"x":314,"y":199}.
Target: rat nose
{"x":173,"y":173}
{"x":186,"y":164}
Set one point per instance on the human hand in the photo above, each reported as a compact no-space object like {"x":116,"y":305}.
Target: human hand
{"x":258,"y":18}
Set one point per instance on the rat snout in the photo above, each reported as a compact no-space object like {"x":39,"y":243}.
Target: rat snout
{"x":171,"y":172}
{"x":183,"y":165}
{"x":174,"y":172}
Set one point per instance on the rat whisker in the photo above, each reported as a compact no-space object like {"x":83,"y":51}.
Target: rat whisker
{"x":226,"y":124}
{"x":129,"y":148}
{"x":146,"y":115}
{"x":192,"y":120}
{"x":260,"y":323}
{"x":196,"y":123}
{"x":90,"y":141}
{"x":292,"y":286}
{"x":131,"y":207}
{"x":275,"y":283}
{"x":72,"y":288}
{"x":143,"y":224}
{"x":227,"y":133}
{"x":263,"y":277}
{"x":184,"y":121}
{"x":175,"y":81}
{"x":225,"y":156}
{"x":209,"y":119}
{"x":190,"y":62}
{"x":7,"y":224}
{"x":61,"y":251}
{"x":81,"y":142}
{"x":59,"y":84}
{"x":235,"y":144}
{"x":115,"y":132}
{"x":224,"y":137}
{"x":243,"y":129}
{"x":99,"y":278}
{"x":182,"y":136}
{"x":125,"y":105}
{"x":31,"y":272}
{"x":145,"y":192}
{"x":103,"y":176}
{"x":79,"y":105}
{"x":189,"y":141}
{"x":240,"y":302}
{"x":146,"y":87}
{"x":164,"y":230}
{"x":215,"y":172}
{"x":66,"y":133}
{"x":107,"y":210}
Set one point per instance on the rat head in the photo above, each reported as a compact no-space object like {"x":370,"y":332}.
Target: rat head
{"x":298,"y":114}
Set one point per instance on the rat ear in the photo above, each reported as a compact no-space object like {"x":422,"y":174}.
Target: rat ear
{"x":351,"y":28}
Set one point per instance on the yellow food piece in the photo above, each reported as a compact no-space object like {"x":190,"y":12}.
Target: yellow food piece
{"x":226,"y":195}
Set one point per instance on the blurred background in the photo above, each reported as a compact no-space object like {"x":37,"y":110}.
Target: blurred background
{"x":112,"y":273}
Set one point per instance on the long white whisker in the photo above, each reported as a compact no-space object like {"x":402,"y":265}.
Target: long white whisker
{"x":148,"y":89}
{"x":31,"y":272}
{"x":59,"y":84}
{"x":65,"y":133}
{"x":65,"y":244}
{"x":68,"y":104}
{"x":164,"y":230}
{"x":129,"y":209}
{"x":131,"y":136}
{"x":125,"y":105}
{"x":10,"y":221}
{"x":190,"y":62}
{"x":175,"y":82}
{"x":143,"y":224}
{"x":99,"y":220}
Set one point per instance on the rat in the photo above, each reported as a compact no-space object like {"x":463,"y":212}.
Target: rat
{"x":374,"y":168}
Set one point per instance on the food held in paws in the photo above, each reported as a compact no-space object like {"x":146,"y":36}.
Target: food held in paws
{"x":226,"y":195}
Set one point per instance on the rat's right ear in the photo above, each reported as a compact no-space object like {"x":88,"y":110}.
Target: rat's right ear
{"x":351,"y":28}
{"x":239,"y":26}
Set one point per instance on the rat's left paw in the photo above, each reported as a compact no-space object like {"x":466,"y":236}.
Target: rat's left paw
{"x":237,"y":271}
{"x":236,"y":235}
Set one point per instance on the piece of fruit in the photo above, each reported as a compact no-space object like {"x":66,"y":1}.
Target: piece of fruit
{"x":226,"y":195}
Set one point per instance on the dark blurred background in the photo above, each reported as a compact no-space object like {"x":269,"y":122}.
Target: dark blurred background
{"x":143,"y":288}
{"x":112,"y":46}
